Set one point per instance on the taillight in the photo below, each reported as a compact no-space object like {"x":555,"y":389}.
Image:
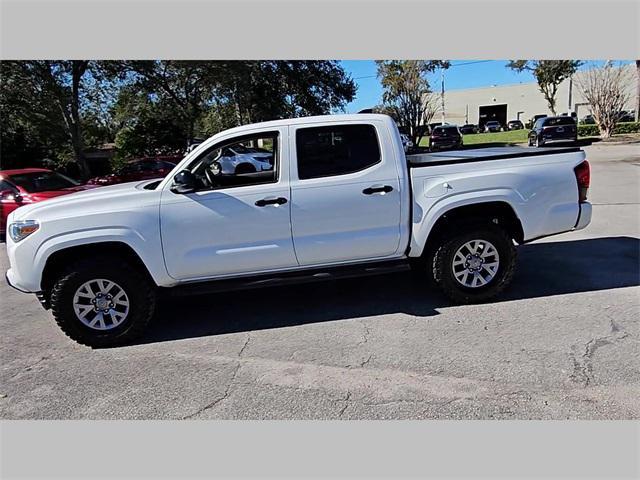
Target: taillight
{"x":583,"y":177}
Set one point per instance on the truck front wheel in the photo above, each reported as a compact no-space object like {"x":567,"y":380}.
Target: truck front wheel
{"x":102,"y":302}
{"x":475,"y":265}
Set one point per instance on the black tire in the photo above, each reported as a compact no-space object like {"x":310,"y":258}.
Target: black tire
{"x":139,"y":289}
{"x":539,"y":143}
{"x":444,"y":254}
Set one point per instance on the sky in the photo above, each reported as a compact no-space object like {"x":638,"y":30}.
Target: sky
{"x":462,"y":74}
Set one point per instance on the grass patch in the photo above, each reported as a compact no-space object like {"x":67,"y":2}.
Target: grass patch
{"x":510,"y":137}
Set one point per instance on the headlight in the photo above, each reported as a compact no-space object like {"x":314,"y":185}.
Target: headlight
{"x":22,"y":229}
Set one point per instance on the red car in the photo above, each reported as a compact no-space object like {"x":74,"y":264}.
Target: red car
{"x":140,"y":169}
{"x":29,"y":185}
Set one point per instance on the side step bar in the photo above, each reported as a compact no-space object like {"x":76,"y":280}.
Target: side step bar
{"x":289,"y":278}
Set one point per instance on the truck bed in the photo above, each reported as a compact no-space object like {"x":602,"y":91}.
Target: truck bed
{"x":480,"y":155}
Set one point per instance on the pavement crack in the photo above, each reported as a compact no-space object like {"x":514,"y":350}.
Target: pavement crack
{"x":28,"y":368}
{"x":583,"y":364}
{"x":245,"y":345}
{"x":226,"y":393}
{"x":365,"y":334}
{"x":365,"y":362}
{"x":346,"y":404}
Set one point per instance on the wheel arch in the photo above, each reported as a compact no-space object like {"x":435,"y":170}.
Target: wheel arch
{"x":58,"y":259}
{"x":500,"y":212}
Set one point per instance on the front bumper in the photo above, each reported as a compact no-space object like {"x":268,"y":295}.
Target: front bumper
{"x":8,"y":276}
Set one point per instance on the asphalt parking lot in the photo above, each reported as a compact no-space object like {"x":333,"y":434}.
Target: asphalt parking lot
{"x":563,"y":343}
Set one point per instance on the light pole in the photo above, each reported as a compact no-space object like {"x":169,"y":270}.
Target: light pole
{"x":442,"y":94}
{"x":570,"y":89}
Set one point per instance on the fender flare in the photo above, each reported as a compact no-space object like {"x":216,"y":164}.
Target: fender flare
{"x":423,"y":226}
{"x":149,"y":255}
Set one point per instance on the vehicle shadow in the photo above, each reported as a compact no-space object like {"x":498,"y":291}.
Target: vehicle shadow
{"x":544,"y":269}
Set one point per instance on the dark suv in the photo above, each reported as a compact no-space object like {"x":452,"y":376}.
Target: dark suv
{"x":468,"y":128}
{"x":445,"y":136}
{"x":553,"y":129}
{"x":515,"y":125}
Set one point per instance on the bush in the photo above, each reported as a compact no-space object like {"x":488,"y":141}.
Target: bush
{"x":588,"y":131}
{"x":627,"y":127}
{"x":621,"y":128}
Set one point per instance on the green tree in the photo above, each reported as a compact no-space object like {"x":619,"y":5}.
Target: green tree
{"x":549,"y":75}
{"x":48,"y":100}
{"x":203,"y":97}
{"x":407,"y":93}
{"x":267,"y":90}
{"x":147,"y":125}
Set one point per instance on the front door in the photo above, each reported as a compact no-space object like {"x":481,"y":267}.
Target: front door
{"x":238,"y":222}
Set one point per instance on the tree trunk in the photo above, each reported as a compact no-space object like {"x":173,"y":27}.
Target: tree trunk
{"x":78,"y":69}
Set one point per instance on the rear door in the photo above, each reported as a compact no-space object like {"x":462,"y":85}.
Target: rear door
{"x":345,"y":193}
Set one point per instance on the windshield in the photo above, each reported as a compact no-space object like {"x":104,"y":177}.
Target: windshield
{"x":34,"y":182}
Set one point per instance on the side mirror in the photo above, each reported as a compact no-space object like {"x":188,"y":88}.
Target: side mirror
{"x":10,"y":196}
{"x":184,"y":182}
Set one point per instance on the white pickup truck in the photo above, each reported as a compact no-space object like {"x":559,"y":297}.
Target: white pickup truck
{"x":336,"y":197}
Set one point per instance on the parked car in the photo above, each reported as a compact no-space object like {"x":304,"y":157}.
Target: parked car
{"x":529,"y":125}
{"x":492,"y":126}
{"x":407,"y":144}
{"x":553,"y":129}
{"x":627,"y":116}
{"x":139,"y":169}
{"x":468,"y":128}
{"x":515,"y":125}
{"x":29,"y":185}
{"x":243,"y":159}
{"x":588,"y":120}
{"x":445,"y":136}
{"x":342,"y":200}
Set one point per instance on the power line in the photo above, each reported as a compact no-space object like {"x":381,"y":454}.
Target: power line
{"x":469,"y":63}
{"x":450,"y":66}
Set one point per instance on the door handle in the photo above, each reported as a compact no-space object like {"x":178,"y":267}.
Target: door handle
{"x":377,"y":189}
{"x":271,"y":201}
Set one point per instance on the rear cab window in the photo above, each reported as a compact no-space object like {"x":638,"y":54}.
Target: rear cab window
{"x":445,"y":130}
{"x":556,"y":121}
{"x":336,"y":150}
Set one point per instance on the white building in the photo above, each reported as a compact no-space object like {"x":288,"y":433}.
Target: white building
{"x":520,"y":101}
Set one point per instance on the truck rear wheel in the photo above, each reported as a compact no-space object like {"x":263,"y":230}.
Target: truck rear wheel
{"x":475,"y":265}
{"x":102,"y":303}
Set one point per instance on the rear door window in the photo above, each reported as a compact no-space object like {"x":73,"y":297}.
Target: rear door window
{"x":336,"y":150}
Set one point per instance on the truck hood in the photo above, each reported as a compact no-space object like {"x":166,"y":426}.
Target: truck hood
{"x":114,"y":197}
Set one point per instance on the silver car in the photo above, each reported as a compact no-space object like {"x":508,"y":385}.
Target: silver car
{"x":240,"y":159}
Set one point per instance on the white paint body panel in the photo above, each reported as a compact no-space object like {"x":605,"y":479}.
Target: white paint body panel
{"x":326,"y":221}
{"x":541,"y":190}
{"x":333,"y":220}
{"x":223,"y":232}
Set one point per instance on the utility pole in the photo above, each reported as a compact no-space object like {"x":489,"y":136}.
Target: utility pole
{"x":638,"y":91}
{"x":442,"y":94}
{"x":569,"y":110}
